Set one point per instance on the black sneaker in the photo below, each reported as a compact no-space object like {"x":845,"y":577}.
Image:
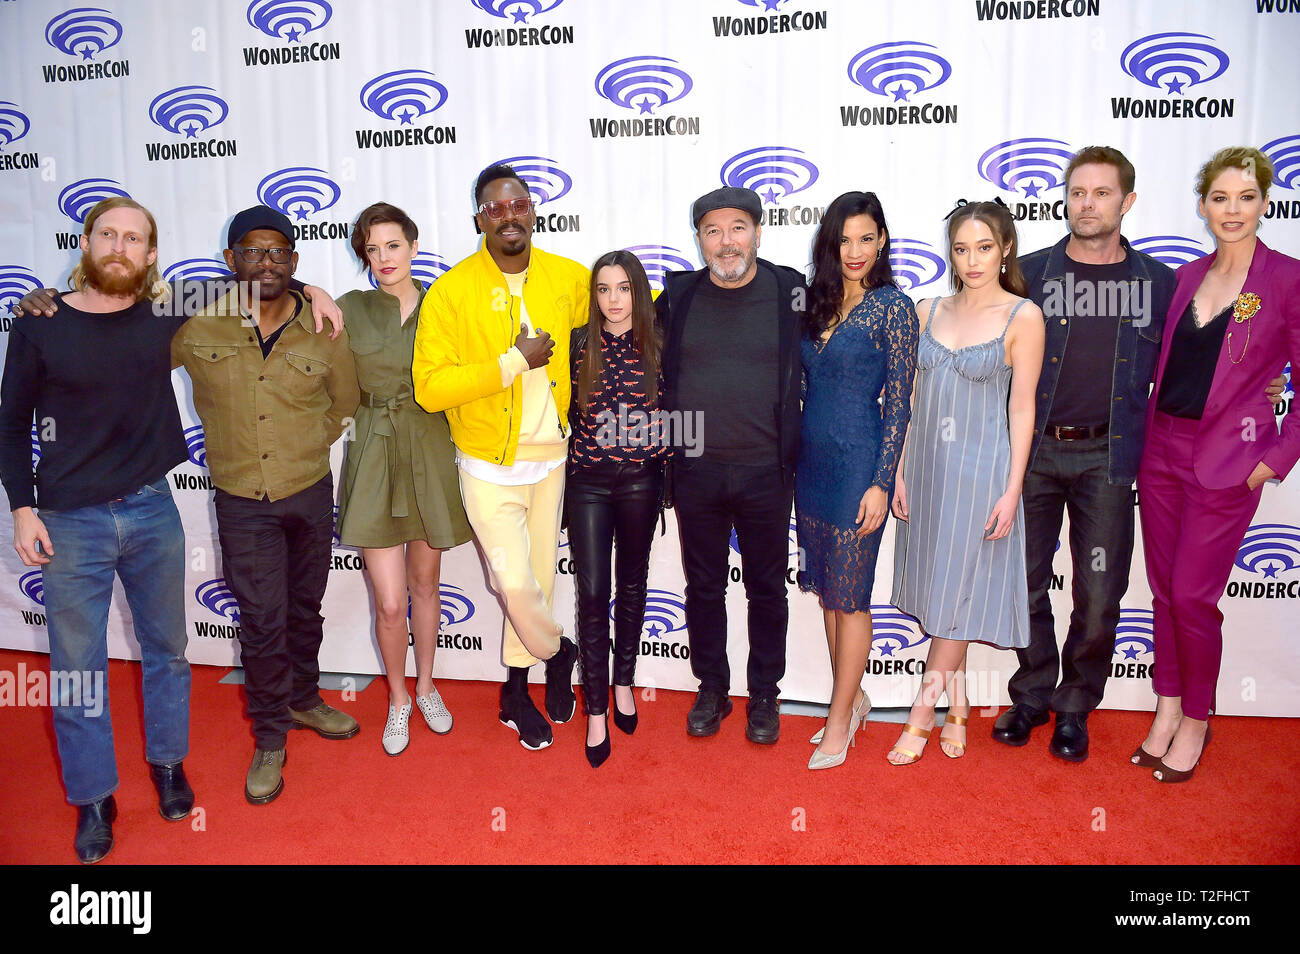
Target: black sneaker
{"x":763,"y":724}
{"x":560,"y":700}
{"x":519,"y":713}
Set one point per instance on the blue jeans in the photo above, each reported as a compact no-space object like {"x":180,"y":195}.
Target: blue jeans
{"x":139,"y":538}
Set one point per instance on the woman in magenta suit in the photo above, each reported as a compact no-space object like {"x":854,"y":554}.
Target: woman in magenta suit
{"x":1212,"y":441}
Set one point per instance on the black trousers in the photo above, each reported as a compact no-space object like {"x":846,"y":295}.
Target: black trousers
{"x":611,"y":510}
{"x":711,"y":498}
{"x":1071,"y":476}
{"x":276,"y":559}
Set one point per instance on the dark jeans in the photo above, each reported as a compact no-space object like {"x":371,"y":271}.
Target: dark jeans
{"x":1071,"y":475}
{"x":276,"y":559}
{"x":711,"y":498}
{"x":611,"y":510}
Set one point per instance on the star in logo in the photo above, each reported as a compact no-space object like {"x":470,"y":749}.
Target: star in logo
{"x":1270,"y":570}
{"x":771,"y":4}
{"x":900,"y":93}
{"x":654,"y":630}
{"x":302,"y":210}
{"x":1032,"y":190}
{"x":406,"y":116}
{"x":887,"y":649}
{"x":645,"y":104}
{"x":293,"y":35}
{"x":87,"y":52}
{"x":771,"y":195}
{"x":1130,"y":652}
{"x":1176,"y":86}
{"x":520,"y":14}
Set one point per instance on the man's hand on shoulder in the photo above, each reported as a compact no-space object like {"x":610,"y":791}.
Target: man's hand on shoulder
{"x":39,"y":301}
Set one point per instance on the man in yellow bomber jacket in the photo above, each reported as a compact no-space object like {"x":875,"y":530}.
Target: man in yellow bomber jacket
{"x":492,"y":350}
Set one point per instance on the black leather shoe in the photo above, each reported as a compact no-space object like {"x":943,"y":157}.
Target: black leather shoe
{"x":596,"y":754}
{"x":1070,"y":740}
{"x":95,"y":830}
{"x":560,"y":700}
{"x":625,"y":723}
{"x":763,"y":719}
{"x":1014,"y":726}
{"x":175,"y":797}
{"x":705,"y":717}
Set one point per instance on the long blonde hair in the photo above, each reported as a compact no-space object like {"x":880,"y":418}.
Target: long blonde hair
{"x":156,"y":289}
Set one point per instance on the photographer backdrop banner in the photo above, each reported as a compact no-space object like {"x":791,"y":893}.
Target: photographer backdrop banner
{"x":618,"y":115}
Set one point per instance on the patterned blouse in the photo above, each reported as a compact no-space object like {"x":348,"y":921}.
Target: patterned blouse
{"x":620,"y":425}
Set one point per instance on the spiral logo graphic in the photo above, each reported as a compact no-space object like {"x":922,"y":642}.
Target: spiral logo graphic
{"x":82,"y":196}
{"x":335,"y":539}
{"x":456,"y":607}
{"x":892,"y":630}
{"x":659,"y":260}
{"x":36,"y":448}
{"x":83,"y":31}
{"x":1134,"y":633}
{"x":1029,"y":165}
{"x":915,"y":263}
{"x":403,"y":95}
{"x":765,"y":4}
{"x":774,"y":172}
{"x":516,"y":11}
{"x":1173,"y":250}
{"x":298,"y":191}
{"x":1289,"y":386}
{"x":545,"y":180}
{"x":665,"y":612}
{"x":288,"y":20}
{"x":32,"y":586}
{"x":15,"y":282}
{"x":899,"y":69}
{"x":643,"y":82}
{"x":1270,"y":548}
{"x":196,"y":269}
{"x":14,"y":124}
{"x":1173,"y":60}
{"x":215,"y":596}
{"x":425,"y":267}
{"x":188,"y":110}
{"x":1284,"y":153}
{"x":194,"y":444}
{"x":792,"y":540}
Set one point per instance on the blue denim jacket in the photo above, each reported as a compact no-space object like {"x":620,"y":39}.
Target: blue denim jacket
{"x":1136,"y":350}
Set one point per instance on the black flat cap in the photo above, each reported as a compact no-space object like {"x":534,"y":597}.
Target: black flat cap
{"x":258,"y":217}
{"x":728,"y":197}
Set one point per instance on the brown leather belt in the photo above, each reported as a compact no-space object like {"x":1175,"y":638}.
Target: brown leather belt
{"x":1063,"y":433}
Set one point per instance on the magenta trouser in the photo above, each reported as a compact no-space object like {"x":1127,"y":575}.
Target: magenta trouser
{"x":1190,"y":536}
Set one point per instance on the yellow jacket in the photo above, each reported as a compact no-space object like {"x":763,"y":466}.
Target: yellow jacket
{"x":468,"y":320}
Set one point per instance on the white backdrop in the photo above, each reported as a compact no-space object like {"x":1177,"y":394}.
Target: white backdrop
{"x":619,"y":114}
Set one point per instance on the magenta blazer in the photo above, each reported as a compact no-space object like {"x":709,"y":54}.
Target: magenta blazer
{"x":1224,"y":455}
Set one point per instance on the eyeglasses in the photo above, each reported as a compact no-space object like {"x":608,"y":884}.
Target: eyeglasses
{"x":255,"y":255}
{"x":497,"y":210}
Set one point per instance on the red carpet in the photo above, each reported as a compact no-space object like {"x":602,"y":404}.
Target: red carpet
{"x":476,"y":796}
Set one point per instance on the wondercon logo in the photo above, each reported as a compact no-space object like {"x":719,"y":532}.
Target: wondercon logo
{"x":15,"y":282}
{"x":643,"y":82}
{"x":792,"y":538}
{"x":288,"y":19}
{"x":402,"y":95}
{"x":517,"y":11}
{"x":665,"y":612}
{"x":546,"y":181}
{"x":36,"y":448}
{"x":188,"y":109}
{"x":1289,"y":386}
{"x":1270,"y":548}
{"x":892,"y":630}
{"x":659,"y":260}
{"x":196,"y":269}
{"x":1173,"y":250}
{"x":425,"y":267}
{"x":32,"y":586}
{"x":335,"y":539}
{"x":194,"y":444}
{"x":298,"y":191}
{"x":14,"y":124}
{"x":899,"y":69}
{"x":765,"y":4}
{"x":1284,"y":153}
{"x":456,"y":607}
{"x":774,"y":172}
{"x":1134,"y":633}
{"x":1173,"y":60}
{"x":83,"y":31}
{"x":1029,"y":165}
{"x":914,"y":263}
{"x":84,"y":194}
{"x":215,"y":596}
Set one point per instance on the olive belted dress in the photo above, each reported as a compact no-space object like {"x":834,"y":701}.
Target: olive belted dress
{"x":399,"y":481}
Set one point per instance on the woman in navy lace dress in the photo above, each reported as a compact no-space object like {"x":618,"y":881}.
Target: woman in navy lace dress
{"x":859,"y":357}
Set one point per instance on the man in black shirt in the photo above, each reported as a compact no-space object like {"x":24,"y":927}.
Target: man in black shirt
{"x":731,"y":356}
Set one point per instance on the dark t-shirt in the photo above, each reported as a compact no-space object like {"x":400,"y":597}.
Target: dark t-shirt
{"x":1096,"y":298}
{"x":729,"y":374}
{"x":106,"y":418}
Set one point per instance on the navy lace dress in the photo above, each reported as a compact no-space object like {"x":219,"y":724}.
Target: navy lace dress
{"x":857,"y":393}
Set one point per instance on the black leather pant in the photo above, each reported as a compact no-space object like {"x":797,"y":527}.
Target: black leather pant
{"x":611,"y":508}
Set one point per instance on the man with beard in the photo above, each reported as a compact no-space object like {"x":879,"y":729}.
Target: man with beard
{"x":731,"y":356}
{"x":273,"y":397}
{"x":506,"y":394}
{"x":98,"y":378}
